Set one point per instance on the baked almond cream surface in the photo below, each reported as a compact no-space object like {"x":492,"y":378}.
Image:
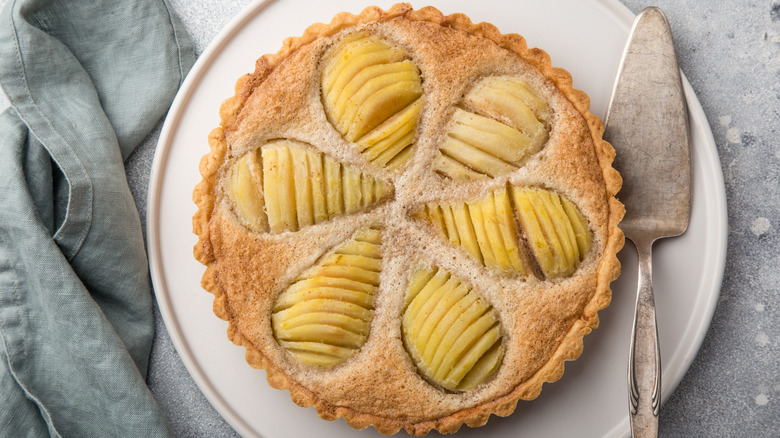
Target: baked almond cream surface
{"x":408,"y":219}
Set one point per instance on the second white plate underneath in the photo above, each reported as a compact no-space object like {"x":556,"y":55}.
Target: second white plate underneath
{"x":585,"y":37}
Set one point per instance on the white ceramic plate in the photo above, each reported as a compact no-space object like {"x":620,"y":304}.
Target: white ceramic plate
{"x":584,"y":37}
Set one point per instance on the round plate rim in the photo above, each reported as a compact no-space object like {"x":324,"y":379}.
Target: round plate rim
{"x":672,"y":377}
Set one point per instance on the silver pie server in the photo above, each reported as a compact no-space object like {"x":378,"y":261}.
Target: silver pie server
{"x":647,"y":124}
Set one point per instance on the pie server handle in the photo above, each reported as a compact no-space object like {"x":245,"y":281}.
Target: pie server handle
{"x":647,"y":124}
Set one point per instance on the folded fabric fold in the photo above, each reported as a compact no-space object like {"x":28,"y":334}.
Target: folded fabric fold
{"x":87,"y":81}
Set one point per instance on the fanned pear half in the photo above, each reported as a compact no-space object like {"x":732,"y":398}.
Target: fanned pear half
{"x":287,"y":185}
{"x":371,"y":91}
{"x":323,"y":318}
{"x":556,"y":232}
{"x":500,"y":228}
{"x":452,"y":335}
{"x":506,"y":123}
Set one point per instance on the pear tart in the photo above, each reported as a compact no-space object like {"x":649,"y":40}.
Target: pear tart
{"x":408,"y":219}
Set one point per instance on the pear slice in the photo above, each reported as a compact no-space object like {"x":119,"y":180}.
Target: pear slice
{"x":433,"y":213}
{"x":317,"y":177}
{"x":465,"y":227}
{"x":435,"y":325}
{"x":480,"y":231}
{"x":389,"y":133}
{"x":484,"y":367}
{"x":339,"y":72}
{"x":419,"y":280}
{"x":490,"y":136}
{"x":382,"y":189}
{"x":353,"y":273}
{"x":304,"y":199}
{"x":324,"y":282}
{"x":305,"y":304}
{"x":581,"y":233}
{"x":324,"y":316}
{"x":431,"y":310}
{"x":449,"y":223}
{"x":397,"y":92}
{"x":471,"y":333}
{"x":437,"y":280}
{"x":468,"y":314}
{"x":512,"y":101}
{"x":244,"y":188}
{"x":453,"y":337}
{"x":316,"y":353}
{"x":356,"y":55}
{"x":278,"y":188}
{"x":349,"y":47}
{"x":532,"y":229}
{"x":325,"y":330}
{"x":507,"y":227}
{"x":493,"y":235}
{"x":402,"y":158}
{"x":334,"y":188}
{"x":474,"y":158}
{"x":481,"y":346}
{"x":556,"y":233}
{"x":506,"y":123}
{"x":563,"y":229}
{"x":454,"y":317}
{"x":349,"y":57}
{"x":522,"y":91}
{"x":455,"y":170}
{"x":367,"y":189}
{"x":347,"y":96}
{"x":353,"y":198}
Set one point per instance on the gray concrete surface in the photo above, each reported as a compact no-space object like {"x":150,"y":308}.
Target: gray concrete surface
{"x":730,"y":52}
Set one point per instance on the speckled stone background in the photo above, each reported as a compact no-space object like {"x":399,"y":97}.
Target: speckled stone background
{"x":730,"y":52}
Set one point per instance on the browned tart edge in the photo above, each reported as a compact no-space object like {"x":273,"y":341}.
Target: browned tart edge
{"x":571,"y":346}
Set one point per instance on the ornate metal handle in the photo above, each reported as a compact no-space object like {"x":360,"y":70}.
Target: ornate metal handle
{"x":644,"y":362}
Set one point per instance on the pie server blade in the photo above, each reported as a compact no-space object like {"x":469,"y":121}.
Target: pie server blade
{"x":647,"y":124}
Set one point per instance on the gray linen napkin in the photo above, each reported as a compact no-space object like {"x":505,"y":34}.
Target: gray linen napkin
{"x":87,"y":81}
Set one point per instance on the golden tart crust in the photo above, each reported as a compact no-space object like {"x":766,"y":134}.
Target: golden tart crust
{"x":543,"y":320}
